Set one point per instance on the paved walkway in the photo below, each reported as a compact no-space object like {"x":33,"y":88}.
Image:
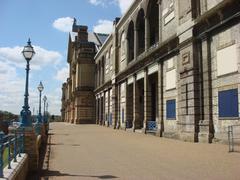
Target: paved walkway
{"x":94,"y":152}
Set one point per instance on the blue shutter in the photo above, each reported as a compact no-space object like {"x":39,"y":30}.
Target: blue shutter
{"x":171,"y":109}
{"x":228,"y":103}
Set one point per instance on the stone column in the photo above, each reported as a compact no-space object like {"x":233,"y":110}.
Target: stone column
{"x":96,"y":109}
{"x":104,"y":114}
{"x":99,"y":109}
{"x":114,"y":105}
{"x":135,"y":104}
{"x":206,"y":127}
{"x":147,"y":101}
{"x":160,"y":122}
{"x":119,"y":107}
{"x":147,"y":34}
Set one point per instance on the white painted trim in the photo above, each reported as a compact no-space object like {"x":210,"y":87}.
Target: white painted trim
{"x":152,"y":68}
{"x":140,"y":75}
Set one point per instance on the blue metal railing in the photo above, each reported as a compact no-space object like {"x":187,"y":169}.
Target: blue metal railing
{"x":152,"y":125}
{"x":233,"y":136}
{"x":129,"y":124}
{"x":11,"y":146}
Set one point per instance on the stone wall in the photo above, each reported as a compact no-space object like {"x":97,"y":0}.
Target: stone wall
{"x":19,"y":169}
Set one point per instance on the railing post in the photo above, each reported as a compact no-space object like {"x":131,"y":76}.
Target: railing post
{"x":232,"y":138}
{"x":9,"y":152}
{"x":22,"y":149}
{"x":15,"y":146}
{"x":229,"y":139}
{"x":1,"y":154}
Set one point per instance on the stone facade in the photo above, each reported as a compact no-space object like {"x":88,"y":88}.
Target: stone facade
{"x":78,"y":100}
{"x":175,"y":63}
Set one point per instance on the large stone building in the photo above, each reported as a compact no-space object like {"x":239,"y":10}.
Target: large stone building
{"x":170,"y":66}
{"x":78,"y":100}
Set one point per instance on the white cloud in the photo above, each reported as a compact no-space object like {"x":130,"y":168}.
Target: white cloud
{"x":95,"y":2}
{"x":12,"y":77}
{"x":103,"y":26}
{"x":101,"y":2}
{"x":62,"y":74}
{"x":43,"y":57}
{"x":124,"y":5}
{"x":63,"y":24}
{"x":12,"y":89}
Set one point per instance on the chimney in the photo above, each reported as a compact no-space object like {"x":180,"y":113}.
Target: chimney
{"x":115,"y":22}
{"x":83,"y":33}
{"x":81,"y":30}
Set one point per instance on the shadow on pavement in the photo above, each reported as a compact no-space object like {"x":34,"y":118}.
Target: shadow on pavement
{"x":46,"y":174}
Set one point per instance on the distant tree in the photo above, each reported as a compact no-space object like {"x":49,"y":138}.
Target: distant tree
{"x":7,"y":116}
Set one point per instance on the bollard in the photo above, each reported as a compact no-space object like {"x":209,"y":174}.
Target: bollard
{"x":9,"y":152}
{"x":15,"y":146}
{"x":1,"y":154}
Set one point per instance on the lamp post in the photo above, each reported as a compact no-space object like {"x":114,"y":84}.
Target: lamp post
{"x":25,"y":115}
{"x":40,"y":89}
{"x":44,"y":109}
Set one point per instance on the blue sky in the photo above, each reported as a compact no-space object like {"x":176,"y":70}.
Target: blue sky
{"x":47,"y":23}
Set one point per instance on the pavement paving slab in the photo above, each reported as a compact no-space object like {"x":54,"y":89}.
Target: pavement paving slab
{"x":94,"y":152}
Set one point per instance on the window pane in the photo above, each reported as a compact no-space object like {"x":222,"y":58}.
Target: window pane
{"x":171,"y":109}
{"x":228,"y":103}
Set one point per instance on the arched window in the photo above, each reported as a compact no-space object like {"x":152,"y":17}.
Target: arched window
{"x":123,"y":37}
{"x":111,"y":58}
{"x":107,"y":62}
{"x":130,"y":38}
{"x":111,"y":51}
{"x":153,"y":19}
{"x":140,"y":32}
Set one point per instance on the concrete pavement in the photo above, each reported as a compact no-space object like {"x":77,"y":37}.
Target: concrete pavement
{"x":94,"y":152}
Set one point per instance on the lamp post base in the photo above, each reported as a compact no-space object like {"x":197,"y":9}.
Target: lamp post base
{"x":25,"y":118}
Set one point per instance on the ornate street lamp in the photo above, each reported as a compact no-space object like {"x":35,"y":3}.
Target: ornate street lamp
{"x":40,"y":89}
{"x":44,"y":109}
{"x":25,"y":115}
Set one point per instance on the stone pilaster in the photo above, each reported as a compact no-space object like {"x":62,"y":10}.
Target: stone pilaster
{"x":160,"y":109}
{"x":147,"y":101}
{"x":114,"y":105}
{"x":206,"y":130}
{"x":136,"y":104}
{"x":189,"y":100}
{"x":97,"y":110}
{"x":104,"y":110}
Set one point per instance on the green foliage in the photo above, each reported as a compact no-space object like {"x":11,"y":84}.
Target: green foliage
{"x":5,"y":115}
{"x":5,"y":157}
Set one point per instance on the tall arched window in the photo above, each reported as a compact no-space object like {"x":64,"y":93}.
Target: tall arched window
{"x":140,"y":32}
{"x":153,"y":19}
{"x":130,"y":39}
{"x":111,"y":58}
{"x":123,"y":47}
{"x":107,"y":62}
